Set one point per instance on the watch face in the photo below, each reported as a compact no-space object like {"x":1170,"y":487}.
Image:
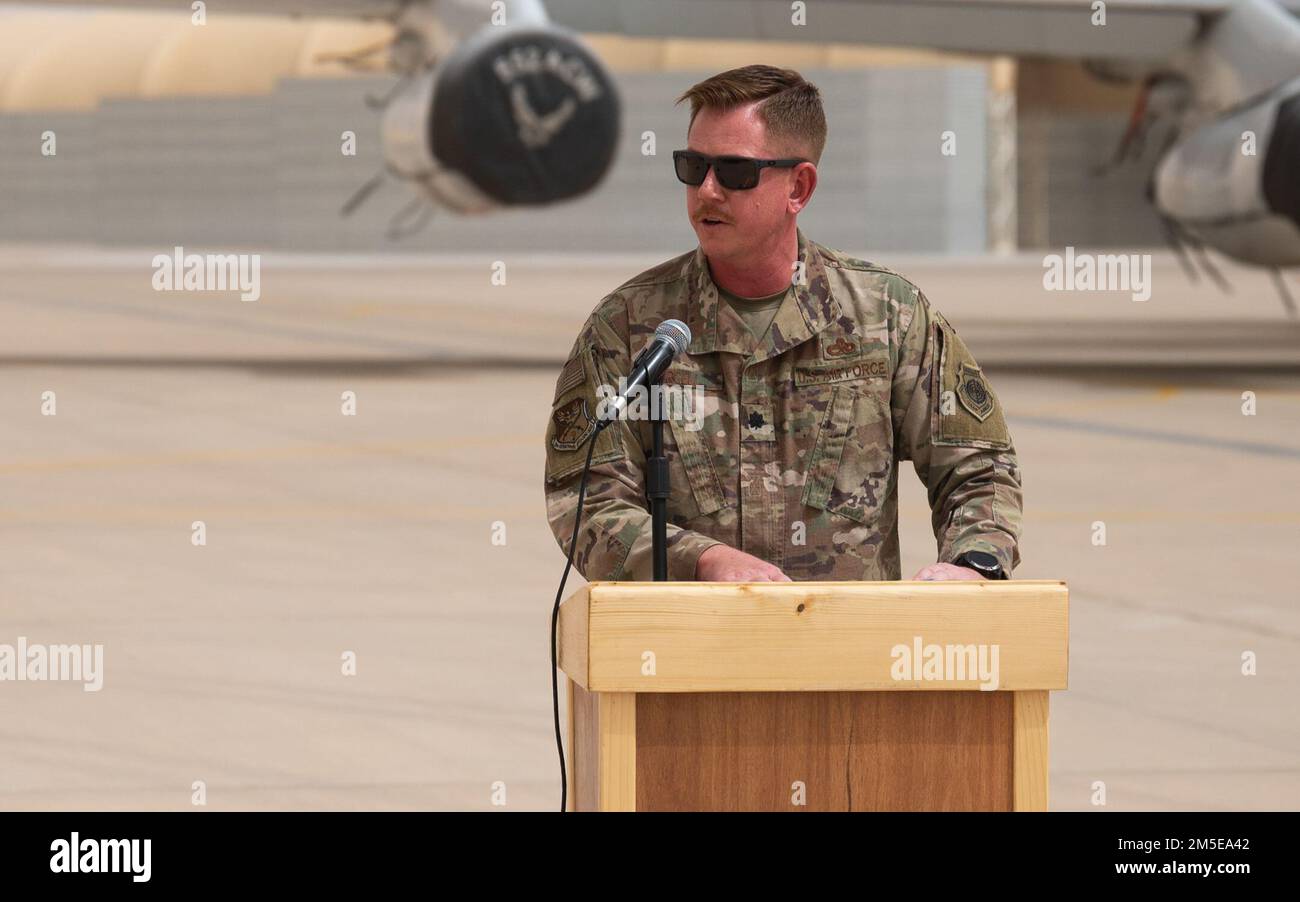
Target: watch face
{"x":982,"y":561}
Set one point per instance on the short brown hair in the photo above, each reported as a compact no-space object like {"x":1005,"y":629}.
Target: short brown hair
{"x":791,"y":108}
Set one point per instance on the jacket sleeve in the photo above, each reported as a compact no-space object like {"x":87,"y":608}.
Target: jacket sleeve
{"x":950,"y":424}
{"x":614,"y":542}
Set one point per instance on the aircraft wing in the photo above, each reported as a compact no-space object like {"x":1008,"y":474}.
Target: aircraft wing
{"x":1134,"y":29}
{"x":352,"y":9}
{"x":1137,"y":29}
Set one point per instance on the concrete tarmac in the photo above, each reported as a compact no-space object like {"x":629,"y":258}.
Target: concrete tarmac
{"x":374,"y":534}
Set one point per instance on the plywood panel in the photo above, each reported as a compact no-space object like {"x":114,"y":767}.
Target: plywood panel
{"x":852,"y":751}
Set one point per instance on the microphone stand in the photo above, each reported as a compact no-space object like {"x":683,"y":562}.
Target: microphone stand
{"x":658,"y":489}
{"x":658,"y":486}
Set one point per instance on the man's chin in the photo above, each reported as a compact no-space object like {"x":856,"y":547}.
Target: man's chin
{"x":716,"y":241}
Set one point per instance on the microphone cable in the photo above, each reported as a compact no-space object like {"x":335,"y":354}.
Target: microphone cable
{"x":555,"y":615}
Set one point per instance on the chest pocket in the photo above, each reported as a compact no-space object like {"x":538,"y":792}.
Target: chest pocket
{"x":696,"y":488}
{"x":849,"y":467}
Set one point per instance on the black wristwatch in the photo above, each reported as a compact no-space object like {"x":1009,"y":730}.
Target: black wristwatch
{"x":983,"y":563}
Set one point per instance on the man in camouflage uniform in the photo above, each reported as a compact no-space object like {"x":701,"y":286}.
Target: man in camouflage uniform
{"x":794,"y":473}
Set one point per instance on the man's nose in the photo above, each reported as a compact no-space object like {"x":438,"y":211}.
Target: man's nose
{"x":710,"y":188}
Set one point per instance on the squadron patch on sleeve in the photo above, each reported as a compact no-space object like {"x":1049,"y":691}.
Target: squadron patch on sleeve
{"x":573,"y":424}
{"x":973,"y":392}
{"x":966,"y":410}
{"x":573,"y":420}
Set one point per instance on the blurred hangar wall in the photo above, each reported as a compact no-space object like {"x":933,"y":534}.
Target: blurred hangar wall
{"x":229,"y":135}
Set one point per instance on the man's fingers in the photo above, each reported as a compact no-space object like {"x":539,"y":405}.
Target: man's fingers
{"x":942,"y":571}
{"x":748,"y":569}
{"x":759,"y":576}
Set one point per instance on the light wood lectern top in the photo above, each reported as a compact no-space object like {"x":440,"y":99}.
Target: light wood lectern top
{"x":812,"y":696}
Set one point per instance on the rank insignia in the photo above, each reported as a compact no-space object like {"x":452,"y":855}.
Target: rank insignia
{"x":973,"y":393}
{"x":573,"y":425}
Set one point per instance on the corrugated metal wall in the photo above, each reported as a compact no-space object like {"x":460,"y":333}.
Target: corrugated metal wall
{"x":1062,"y":199}
{"x":268,"y":172}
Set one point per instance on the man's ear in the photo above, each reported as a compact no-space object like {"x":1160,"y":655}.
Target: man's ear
{"x":802,"y":186}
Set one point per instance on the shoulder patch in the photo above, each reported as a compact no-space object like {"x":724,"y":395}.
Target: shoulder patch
{"x":573,"y":424}
{"x":973,"y":393}
{"x":573,"y":421}
{"x":967,"y":411}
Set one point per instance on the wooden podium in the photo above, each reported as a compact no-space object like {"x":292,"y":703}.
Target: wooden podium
{"x":812,"y":696}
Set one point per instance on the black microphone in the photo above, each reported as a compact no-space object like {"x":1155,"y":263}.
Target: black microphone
{"x":671,"y":339}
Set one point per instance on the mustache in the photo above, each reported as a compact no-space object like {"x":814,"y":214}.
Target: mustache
{"x":711,"y":214}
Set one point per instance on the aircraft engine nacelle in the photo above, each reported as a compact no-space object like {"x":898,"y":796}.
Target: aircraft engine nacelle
{"x":1244,"y":204}
{"x":514,"y":116}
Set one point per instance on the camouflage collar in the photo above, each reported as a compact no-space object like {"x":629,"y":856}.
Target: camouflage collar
{"x":716,"y":327}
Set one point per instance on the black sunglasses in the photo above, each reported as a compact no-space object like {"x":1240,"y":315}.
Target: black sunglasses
{"x":733,"y":173}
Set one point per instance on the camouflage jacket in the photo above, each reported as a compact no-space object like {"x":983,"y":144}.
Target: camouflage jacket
{"x":797,"y":460}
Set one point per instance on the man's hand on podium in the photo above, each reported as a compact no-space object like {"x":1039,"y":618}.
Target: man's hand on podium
{"x":724,"y":564}
{"x":947,"y":571}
